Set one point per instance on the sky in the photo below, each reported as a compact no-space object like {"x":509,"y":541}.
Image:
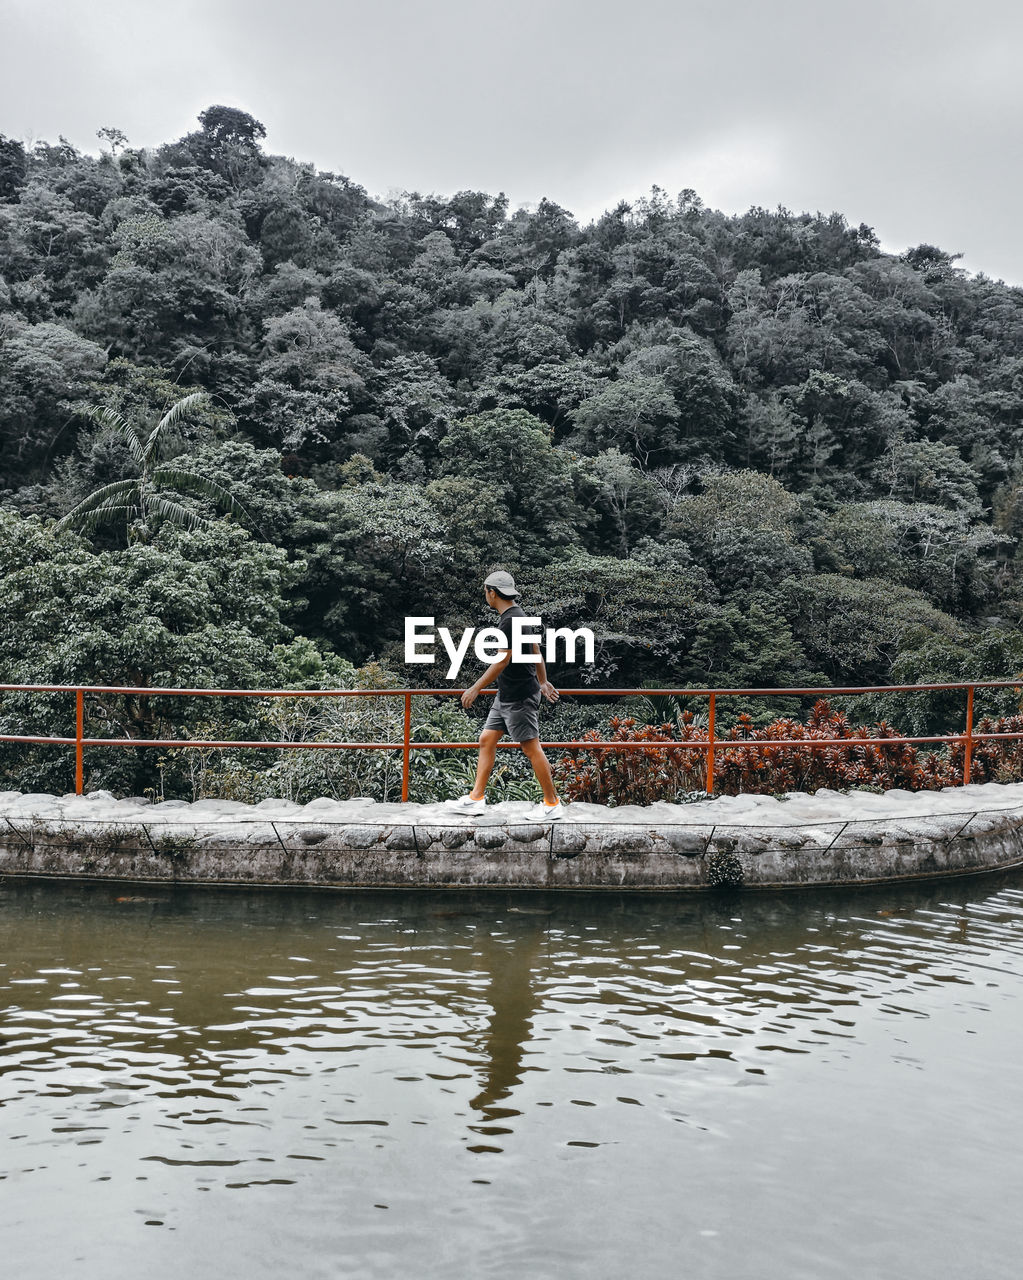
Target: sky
{"x":905,"y":114}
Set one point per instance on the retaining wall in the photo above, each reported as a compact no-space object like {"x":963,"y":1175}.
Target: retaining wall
{"x":667,"y":847}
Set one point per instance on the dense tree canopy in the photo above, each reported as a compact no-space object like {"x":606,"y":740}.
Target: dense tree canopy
{"x":747,"y":448}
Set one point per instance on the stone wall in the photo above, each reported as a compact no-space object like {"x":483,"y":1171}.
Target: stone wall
{"x":328,"y":844}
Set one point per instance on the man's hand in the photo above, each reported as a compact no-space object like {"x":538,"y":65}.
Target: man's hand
{"x":549,"y":691}
{"x":469,"y":696}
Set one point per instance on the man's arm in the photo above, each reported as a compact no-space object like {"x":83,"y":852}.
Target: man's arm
{"x":546,"y":688}
{"x":487,"y":678}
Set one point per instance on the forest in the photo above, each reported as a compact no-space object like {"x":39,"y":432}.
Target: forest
{"x":252,"y":417}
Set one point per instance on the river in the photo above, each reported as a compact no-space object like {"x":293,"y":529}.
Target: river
{"x":256,"y":1084}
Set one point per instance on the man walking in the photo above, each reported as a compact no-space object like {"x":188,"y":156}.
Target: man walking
{"x":516,"y":707}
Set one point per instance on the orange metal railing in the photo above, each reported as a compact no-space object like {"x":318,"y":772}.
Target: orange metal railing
{"x":969,"y":737}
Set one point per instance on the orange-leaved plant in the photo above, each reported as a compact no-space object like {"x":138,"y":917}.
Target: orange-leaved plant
{"x":675,"y":761}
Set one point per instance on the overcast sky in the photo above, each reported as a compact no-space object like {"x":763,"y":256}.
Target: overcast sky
{"x":904,"y":114}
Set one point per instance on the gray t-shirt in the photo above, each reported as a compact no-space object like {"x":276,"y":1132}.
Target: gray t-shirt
{"x":519,"y":679}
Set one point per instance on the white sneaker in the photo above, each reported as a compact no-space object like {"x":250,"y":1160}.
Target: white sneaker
{"x":546,"y":812}
{"x":466,"y":805}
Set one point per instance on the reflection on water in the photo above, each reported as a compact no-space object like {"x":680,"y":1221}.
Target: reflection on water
{"x":500,"y":1085}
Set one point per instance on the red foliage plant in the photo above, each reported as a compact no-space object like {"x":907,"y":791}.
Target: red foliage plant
{"x":992,"y":761}
{"x":663,"y":771}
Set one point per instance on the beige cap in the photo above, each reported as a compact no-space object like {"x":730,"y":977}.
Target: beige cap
{"x":503,"y":582}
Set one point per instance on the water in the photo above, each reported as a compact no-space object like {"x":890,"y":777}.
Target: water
{"x":263,"y":1084}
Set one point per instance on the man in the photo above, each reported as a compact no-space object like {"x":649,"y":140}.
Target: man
{"x":516,"y":708}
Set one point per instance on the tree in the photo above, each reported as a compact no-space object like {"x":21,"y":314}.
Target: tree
{"x":533,"y":242}
{"x":625,"y":500}
{"x":227,"y":142}
{"x":117,"y":138}
{"x":43,"y":367}
{"x":939,"y":552}
{"x":736,"y":499}
{"x":188,"y":609}
{"x":308,"y":377}
{"x":525,"y":478}
{"x":469,"y":218}
{"x":744,"y":562}
{"x":638,"y":413}
{"x":51,"y":251}
{"x":519,"y":387}
{"x":995,"y":653}
{"x":414,"y":404}
{"x":925,"y":471}
{"x":854,"y":630}
{"x":225,"y":126}
{"x":173,"y":294}
{"x":642,"y":613}
{"x":697,"y":378}
{"x":749,"y":648}
{"x":389,"y":555}
{"x":13,"y":167}
{"x":101,"y":454}
{"x":141,"y":498}
{"x":550,"y":390}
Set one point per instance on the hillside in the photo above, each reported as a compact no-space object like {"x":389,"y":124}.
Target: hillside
{"x":748,"y":450}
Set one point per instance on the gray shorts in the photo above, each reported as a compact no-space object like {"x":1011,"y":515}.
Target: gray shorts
{"x":519,"y":720}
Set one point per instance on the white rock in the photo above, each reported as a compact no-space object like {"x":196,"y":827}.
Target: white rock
{"x":821,"y":815}
{"x":220,"y":806}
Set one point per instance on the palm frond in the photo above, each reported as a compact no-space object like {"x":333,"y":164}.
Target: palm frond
{"x":177,"y":478}
{"x":665,"y":708}
{"x":111,"y":418}
{"x":109,"y":494}
{"x":175,"y":513}
{"x":173,"y":415}
{"x":91,"y":520}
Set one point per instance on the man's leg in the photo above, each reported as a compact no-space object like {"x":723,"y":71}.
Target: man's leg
{"x":489,"y":739}
{"x":533,"y":753}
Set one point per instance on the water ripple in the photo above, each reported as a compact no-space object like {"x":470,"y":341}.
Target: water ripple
{"x":540,"y":1084}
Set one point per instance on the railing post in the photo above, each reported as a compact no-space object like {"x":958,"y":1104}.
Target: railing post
{"x":405,"y":749}
{"x":968,"y":754}
{"x":79,"y":735}
{"x":710,"y":747}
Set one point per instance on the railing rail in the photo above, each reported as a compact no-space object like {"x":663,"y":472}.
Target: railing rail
{"x":968,"y":737}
